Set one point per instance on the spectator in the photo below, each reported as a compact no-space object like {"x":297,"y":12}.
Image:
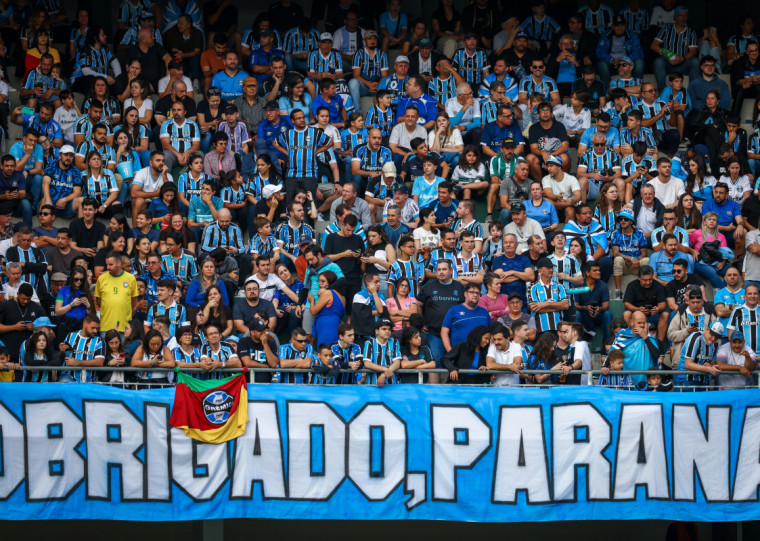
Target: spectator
{"x":648,"y":297}
{"x":735,"y":356}
{"x":692,"y":316}
{"x":513,"y":270}
{"x":115,"y":294}
{"x":683,"y":281}
{"x":593,"y":307}
{"x":547,"y":299}
{"x":699,"y":355}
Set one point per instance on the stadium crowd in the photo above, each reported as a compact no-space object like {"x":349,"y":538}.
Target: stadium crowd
{"x":225,"y":189}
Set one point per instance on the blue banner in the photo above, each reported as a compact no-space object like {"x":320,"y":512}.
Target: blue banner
{"x":82,"y":451}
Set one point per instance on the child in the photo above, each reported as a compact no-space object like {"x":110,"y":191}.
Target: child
{"x":233,"y":196}
{"x":164,"y":205}
{"x":324,"y":370}
{"x":492,"y":245}
{"x":236,"y":131}
{"x":637,"y":169}
{"x":7,"y":368}
{"x":190,"y":182}
{"x":66,"y":116}
{"x":263,"y":242}
{"x":629,"y":83}
{"x":531,"y":116}
{"x":57,"y":82}
{"x":381,"y":115}
{"x":617,"y":325}
{"x":470,"y":175}
{"x":676,"y":93}
{"x":143,"y":225}
{"x":350,"y":138}
{"x":736,"y":137}
{"x":616,"y":381}
{"x":393,"y":26}
{"x":574,"y":116}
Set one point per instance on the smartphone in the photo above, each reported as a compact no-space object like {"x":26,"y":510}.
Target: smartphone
{"x":27,"y":111}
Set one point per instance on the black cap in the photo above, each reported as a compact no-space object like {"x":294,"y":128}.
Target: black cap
{"x":544,"y":263}
{"x":267,"y":33}
{"x":175,"y":64}
{"x":257,"y":325}
{"x":695,"y":294}
{"x":383,"y":323}
{"x":218,"y":254}
{"x":231,"y":109}
{"x":513,"y":296}
{"x":517,"y":207}
{"x":618,"y":19}
{"x":272,"y":105}
{"x":468,"y":35}
{"x":508,"y":142}
{"x":402,"y":188}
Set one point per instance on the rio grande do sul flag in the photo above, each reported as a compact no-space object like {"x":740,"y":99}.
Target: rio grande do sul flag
{"x":211,"y":411}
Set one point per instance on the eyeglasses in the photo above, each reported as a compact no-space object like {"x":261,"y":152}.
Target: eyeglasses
{"x":45,"y":214}
{"x":301,"y":341}
{"x":647,"y":91}
{"x":537,"y":67}
{"x":600,"y":144}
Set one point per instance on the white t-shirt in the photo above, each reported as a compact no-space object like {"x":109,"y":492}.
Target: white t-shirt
{"x":646,"y":220}
{"x":668,"y":192}
{"x":164,"y":81}
{"x":147,"y":105}
{"x":736,"y":191}
{"x":331,"y":132}
{"x":531,"y":227}
{"x":581,"y":351}
{"x":427,"y":237}
{"x":269,"y":286}
{"x":453,"y":108}
{"x":733,"y":379}
{"x":566,"y":116}
{"x":145,"y":179}
{"x":400,"y":135}
{"x":566,"y":186}
{"x":65,"y":118}
{"x":449,"y":143}
{"x":10,"y":292}
{"x":506,"y":357}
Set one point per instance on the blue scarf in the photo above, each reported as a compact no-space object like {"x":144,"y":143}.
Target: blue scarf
{"x":371,"y":297}
{"x":637,"y":355}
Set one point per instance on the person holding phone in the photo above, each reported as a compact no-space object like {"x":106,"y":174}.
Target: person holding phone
{"x":692,"y":316}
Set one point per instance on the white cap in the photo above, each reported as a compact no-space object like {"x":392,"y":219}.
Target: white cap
{"x":325,"y":36}
{"x":389,"y":169}
{"x":717,"y":328}
{"x":67,"y":149}
{"x":402,"y":58}
{"x":269,"y":190}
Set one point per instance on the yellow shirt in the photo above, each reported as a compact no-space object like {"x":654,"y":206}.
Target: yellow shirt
{"x":115,"y":294}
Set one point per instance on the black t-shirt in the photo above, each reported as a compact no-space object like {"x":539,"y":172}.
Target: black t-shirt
{"x":84,"y":237}
{"x":262,"y":208}
{"x":540,"y":136}
{"x":595,"y":91}
{"x":436,"y":299}
{"x":206,"y":110}
{"x":255,"y":350}
{"x":423,"y":354}
{"x":163,"y":107}
{"x":351,"y":266}
{"x":638,"y":296}
{"x":677,"y":289}
{"x":228,"y":17}
{"x":751,"y":210}
{"x":153,"y":66}
{"x":511,"y":58}
{"x":565,"y":356}
{"x":10,"y":314}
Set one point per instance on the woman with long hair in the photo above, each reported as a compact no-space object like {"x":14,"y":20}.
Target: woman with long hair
{"x":328,"y":309}
{"x":607,"y":207}
{"x":177,"y":224}
{"x":296,"y":98}
{"x":494,"y":300}
{"x":73,"y":302}
{"x":411,"y":45}
{"x":426,"y":237}
{"x":124,"y":154}
{"x":163,"y":206}
{"x":214,"y":312}
{"x":190,"y":182}
{"x":380,"y":253}
{"x":414,"y":355}
{"x":111,"y":106}
{"x":138,"y":98}
{"x":446,"y":140}
{"x":196,"y":293}
{"x":100,"y":184}
{"x":688,"y":215}
{"x":470,"y":175}
{"x":265,"y":174}
{"x":43,"y":45}
{"x":116,"y":242}
{"x":284,"y":303}
{"x":543,"y":357}
{"x":709,"y":232}
{"x":133,"y":337}
{"x":739,"y":185}
{"x":699,"y":183}
{"x":152,"y":353}
{"x":209,"y":116}
{"x":49,"y":152}
{"x":114,"y":356}
{"x":402,"y":305}
{"x":119,"y":224}
{"x":38,"y":351}
{"x":139,"y":134}
{"x":139,"y":254}
{"x":577,"y":248}
{"x":469,"y":355}
{"x":37,"y":25}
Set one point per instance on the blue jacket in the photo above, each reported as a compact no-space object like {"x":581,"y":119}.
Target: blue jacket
{"x":632,"y":46}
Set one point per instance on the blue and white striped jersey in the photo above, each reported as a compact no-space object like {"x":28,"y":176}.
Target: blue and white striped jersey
{"x":487,"y":111}
{"x":151,"y":291}
{"x":182,"y":136}
{"x":377,"y":118}
{"x":638,"y":22}
{"x":296,"y":43}
{"x":396,"y":86}
{"x":740,"y":42}
{"x":99,"y":188}
{"x":473,"y":226}
{"x":440,"y":254}
{"x":181,"y":356}
{"x":540,"y":30}
{"x":546,"y":87}
{"x":468,"y":267}
{"x":371,"y":66}
{"x":595,"y":163}
{"x":249,"y":39}
{"x":173,"y":11}
{"x":51,"y":128}
{"x":106,"y":152}
{"x":260,"y":246}
{"x":698,"y":350}
{"x":653,"y":109}
{"x":681,"y":234}
{"x":35,"y":271}
{"x":443,"y":89}
{"x":31,"y":377}
{"x":83,"y":349}
{"x":511,"y":91}
{"x":130,"y":36}
{"x":291,"y":237}
{"x":628,"y":166}
{"x":593,"y":235}
{"x":302,"y":150}
{"x":223,"y":354}
{"x":414,"y":271}
{"x":214,"y":237}
{"x":83,"y":126}
{"x":341,"y":357}
{"x":78,"y":37}
{"x":183,"y":268}
{"x":381,"y":354}
{"x":175,"y":312}
{"x":608,"y":219}
{"x":35,"y":77}
{"x":97,"y":60}
{"x":372,"y":160}
{"x":471,"y":66}
{"x":255,"y":184}
{"x":233,"y":196}
{"x":554,"y":292}
{"x":678,"y":42}
{"x":287,"y":351}
{"x":625,"y":83}
{"x":321,"y":64}
{"x":189,"y":186}
{"x":644,"y":135}
{"x":349,"y":141}
{"x":616,"y":381}
{"x":129,"y":13}
{"x":333,"y":227}
{"x":597,"y":21}
{"x":747,"y":320}
{"x":569,"y":264}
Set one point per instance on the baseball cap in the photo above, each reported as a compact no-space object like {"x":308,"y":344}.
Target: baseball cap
{"x":58,"y":277}
{"x":544,"y":263}
{"x":618,"y":19}
{"x":679,"y":9}
{"x":425,"y":42}
{"x":508,"y":142}
{"x":402,"y":58}
{"x":717,"y":328}
{"x":389,"y":169}
{"x":231,"y":109}
{"x":269,"y":190}
{"x":267,"y":33}
{"x":370,"y":34}
{"x":626,"y":59}
{"x":738,"y":335}
{"x":271,"y":104}
{"x":175,"y":64}
{"x":513,"y":296}
{"x":250,"y":81}
{"x":695,"y":294}
{"x":67,"y":149}
{"x":521,"y":34}
{"x":325,"y":36}
{"x":554,"y":160}
{"x":468,"y":35}
{"x":45,"y":322}
{"x":626,"y":213}
{"x":257,"y":325}
{"x":383,"y":323}
{"x":402,"y":188}
{"x":517,"y":207}
{"x":145,"y":14}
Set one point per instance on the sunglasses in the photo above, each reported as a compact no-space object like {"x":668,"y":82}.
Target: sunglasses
{"x":45,"y":214}
{"x":600,"y":144}
{"x":214,"y":92}
{"x":302,"y":341}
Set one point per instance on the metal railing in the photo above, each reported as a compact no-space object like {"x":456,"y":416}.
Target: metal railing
{"x":421,"y":373}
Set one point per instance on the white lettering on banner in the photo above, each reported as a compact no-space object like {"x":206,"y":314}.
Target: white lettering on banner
{"x":299,"y":450}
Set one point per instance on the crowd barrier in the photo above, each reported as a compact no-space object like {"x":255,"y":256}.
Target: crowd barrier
{"x":430,"y":452}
